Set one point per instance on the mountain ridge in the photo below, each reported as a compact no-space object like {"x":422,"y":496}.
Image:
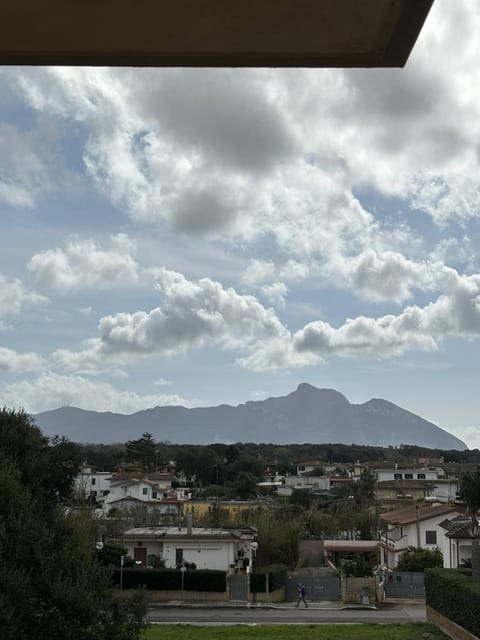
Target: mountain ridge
{"x":308,"y":414}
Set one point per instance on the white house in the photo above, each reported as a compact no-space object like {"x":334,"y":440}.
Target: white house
{"x":445,"y":490}
{"x":458,"y":547}
{"x":138,"y":488}
{"x":95,"y":484}
{"x":414,"y":526}
{"x":207,"y":548}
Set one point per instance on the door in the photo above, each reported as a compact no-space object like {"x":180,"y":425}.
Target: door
{"x":238,"y":588}
{"x":140,"y":555}
{"x":405,"y":584}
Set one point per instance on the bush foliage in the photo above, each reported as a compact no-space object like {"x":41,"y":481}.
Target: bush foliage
{"x":464,"y":608}
{"x":171,"y":580}
{"x":417,"y":559}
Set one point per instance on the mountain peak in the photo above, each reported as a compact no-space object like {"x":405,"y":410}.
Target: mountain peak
{"x":308,"y":414}
{"x":305,"y":387}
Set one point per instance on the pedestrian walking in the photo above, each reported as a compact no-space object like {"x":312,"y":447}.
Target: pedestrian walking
{"x":302,"y":593}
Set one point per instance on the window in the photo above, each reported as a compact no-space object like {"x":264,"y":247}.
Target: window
{"x":430,"y":537}
{"x":145,"y":491}
{"x":409,"y":476}
{"x":397,"y":476}
{"x":106,"y":492}
{"x":420,"y":476}
{"x":94,"y":481}
{"x":154,"y":494}
{"x":178,"y":557}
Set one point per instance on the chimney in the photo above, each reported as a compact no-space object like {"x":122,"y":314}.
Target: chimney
{"x":189,"y":523}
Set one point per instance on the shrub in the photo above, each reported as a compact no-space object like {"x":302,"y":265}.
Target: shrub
{"x":277,"y":579}
{"x":464,"y":608}
{"x":171,"y":580}
{"x":417,"y":559}
{"x":357,"y":567}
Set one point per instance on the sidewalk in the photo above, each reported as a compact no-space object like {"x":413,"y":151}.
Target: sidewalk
{"x":324,"y":605}
{"x":238,"y":604}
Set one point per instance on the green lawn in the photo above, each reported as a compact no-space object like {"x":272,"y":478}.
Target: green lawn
{"x":294,"y":632}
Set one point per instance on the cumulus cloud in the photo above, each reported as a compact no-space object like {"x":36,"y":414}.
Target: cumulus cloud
{"x":84,"y":264}
{"x":23,"y":171}
{"x":90,"y":360}
{"x":275,"y":293}
{"x":388,"y":275}
{"x":11,"y":360}
{"x":192,"y":314}
{"x":454,"y":313}
{"x":50,"y":391}
{"x":339,"y":180}
{"x":161,"y":141}
{"x":14,"y":296}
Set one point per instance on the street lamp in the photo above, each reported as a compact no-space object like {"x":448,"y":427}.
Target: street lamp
{"x":254,"y":548}
{"x":122,"y":562}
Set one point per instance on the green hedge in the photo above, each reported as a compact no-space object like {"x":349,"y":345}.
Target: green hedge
{"x":258,"y":582}
{"x":171,"y":580}
{"x":277,"y":579}
{"x":455,"y":596}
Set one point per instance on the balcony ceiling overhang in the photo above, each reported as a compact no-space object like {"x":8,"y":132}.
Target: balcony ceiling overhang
{"x":210,"y":33}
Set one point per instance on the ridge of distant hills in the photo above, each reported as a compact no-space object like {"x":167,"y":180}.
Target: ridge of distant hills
{"x":307,"y":415}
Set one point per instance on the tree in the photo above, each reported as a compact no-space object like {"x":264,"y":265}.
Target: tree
{"x":244,"y":486}
{"x":197,"y":462}
{"x":301,"y":497}
{"x":364,"y":489}
{"x":51,"y":584}
{"x":278,"y":536}
{"x":418,"y":559}
{"x":470,"y":493}
{"x":143,"y":451}
{"x":357,"y":567}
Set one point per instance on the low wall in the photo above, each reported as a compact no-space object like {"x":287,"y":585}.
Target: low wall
{"x":452,"y":629}
{"x":274,"y":596}
{"x":353,"y":590}
{"x":186,"y":596}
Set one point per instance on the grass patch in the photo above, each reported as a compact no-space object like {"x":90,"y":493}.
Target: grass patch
{"x":407,"y":631}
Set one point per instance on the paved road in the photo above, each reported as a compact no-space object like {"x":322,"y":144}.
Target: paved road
{"x":215,"y":615}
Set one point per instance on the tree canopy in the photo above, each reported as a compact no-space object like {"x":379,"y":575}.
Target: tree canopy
{"x":417,"y":559}
{"x":51,"y":584}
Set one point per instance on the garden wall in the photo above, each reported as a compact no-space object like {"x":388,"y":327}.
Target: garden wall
{"x":455,"y":631}
{"x":356,"y":589}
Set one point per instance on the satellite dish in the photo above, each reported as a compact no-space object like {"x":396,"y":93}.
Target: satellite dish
{"x":99,"y":545}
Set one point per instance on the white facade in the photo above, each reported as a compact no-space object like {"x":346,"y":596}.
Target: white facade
{"x":322,"y":483}
{"x":92,"y":483}
{"x":456,"y":552}
{"x":421,"y":532}
{"x":458,"y":541}
{"x":131,"y":490}
{"x":206,"y":548}
{"x":445,"y":490}
{"x":413,"y":473}
{"x":138,"y":489}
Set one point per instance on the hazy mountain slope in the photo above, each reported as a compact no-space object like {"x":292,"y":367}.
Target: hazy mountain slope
{"x":307,"y":414}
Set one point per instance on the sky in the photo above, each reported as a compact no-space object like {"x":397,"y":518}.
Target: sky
{"x":209,"y":236}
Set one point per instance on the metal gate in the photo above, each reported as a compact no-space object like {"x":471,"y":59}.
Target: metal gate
{"x":321,"y":585}
{"x":238,"y":588}
{"x":405,"y":584}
